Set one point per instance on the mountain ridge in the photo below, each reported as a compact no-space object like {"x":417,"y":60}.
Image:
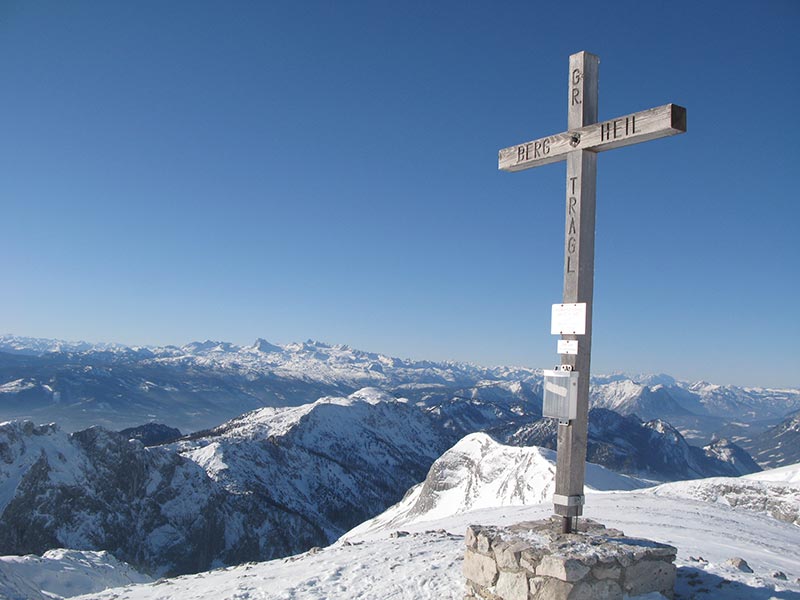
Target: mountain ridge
{"x":201,"y":384}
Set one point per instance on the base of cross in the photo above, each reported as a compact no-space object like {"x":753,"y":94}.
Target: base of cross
{"x":535,"y":561}
{"x":569,"y":508}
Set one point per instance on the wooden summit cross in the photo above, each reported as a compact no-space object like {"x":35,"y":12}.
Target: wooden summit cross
{"x":579,"y":145}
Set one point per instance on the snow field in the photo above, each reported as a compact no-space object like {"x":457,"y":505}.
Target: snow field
{"x":425,"y":562}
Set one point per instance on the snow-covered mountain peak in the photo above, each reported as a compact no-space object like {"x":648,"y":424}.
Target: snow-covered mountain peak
{"x":704,"y":387}
{"x":23,"y":444}
{"x":265,"y":422}
{"x":373,"y":395}
{"x":210,"y":347}
{"x":38,"y":346}
{"x":663,"y":427}
{"x":278,"y":421}
{"x":27,"y":428}
{"x":653,"y":379}
{"x":617,"y":392}
{"x":479,"y":472}
{"x":312,"y":346}
{"x":265,"y":347}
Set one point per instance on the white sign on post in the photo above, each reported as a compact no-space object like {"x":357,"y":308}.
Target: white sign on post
{"x":567,"y":346}
{"x":568,"y":318}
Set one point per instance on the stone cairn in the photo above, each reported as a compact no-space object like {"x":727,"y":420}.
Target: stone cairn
{"x":535,"y":561}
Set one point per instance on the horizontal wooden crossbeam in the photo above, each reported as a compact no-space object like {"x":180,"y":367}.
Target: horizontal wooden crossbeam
{"x":643,"y":126}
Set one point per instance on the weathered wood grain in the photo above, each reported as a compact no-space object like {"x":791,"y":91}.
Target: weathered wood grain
{"x":578,"y":278}
{"x":651,"y":124}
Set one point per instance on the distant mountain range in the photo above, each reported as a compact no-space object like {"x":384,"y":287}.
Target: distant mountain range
{"x":202,"y":384}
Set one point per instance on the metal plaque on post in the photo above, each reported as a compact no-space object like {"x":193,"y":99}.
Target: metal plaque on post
{"x":568,"y":318}
{"x":560,"y":395}
{"x":567,"y":346}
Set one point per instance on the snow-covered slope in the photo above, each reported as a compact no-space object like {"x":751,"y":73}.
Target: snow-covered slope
{"x":63,"y":573}
{"x":779,"y":445}
{"x":628,"y":397}
{"x":478,"y":473}
{"x":23,"y":444}
{"x":775,"y":492}
{"x":771,"y":496}
{"x":334,"y":462}
{"x":424,"y":561}
{"x":787,"y":474}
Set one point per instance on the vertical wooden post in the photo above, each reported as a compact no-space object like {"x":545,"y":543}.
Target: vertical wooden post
{"x":578,"y":283}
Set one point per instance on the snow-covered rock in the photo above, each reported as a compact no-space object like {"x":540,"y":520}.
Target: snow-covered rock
{"x":97,"y":490}
{"x":152,"y":434}
{"x":732,"y":455}
{"x":62,"y":573}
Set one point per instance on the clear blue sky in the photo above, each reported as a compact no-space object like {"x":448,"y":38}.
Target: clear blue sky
{"x":173,"y":171}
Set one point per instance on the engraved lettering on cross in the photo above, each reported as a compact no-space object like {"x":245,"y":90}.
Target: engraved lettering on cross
{"x":613,"y":130}
{"x":576,"y":91}
{"x":572,"y":230}
{"x":579,"y":146}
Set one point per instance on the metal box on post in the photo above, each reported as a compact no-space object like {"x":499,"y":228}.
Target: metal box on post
{"x":560,"y":395}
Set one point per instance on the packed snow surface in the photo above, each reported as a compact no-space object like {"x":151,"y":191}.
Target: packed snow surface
{"x":775,"y":492}
{"x":787,"y":474}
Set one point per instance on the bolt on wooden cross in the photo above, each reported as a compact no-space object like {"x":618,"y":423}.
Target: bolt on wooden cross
{"x":579,"y":145}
